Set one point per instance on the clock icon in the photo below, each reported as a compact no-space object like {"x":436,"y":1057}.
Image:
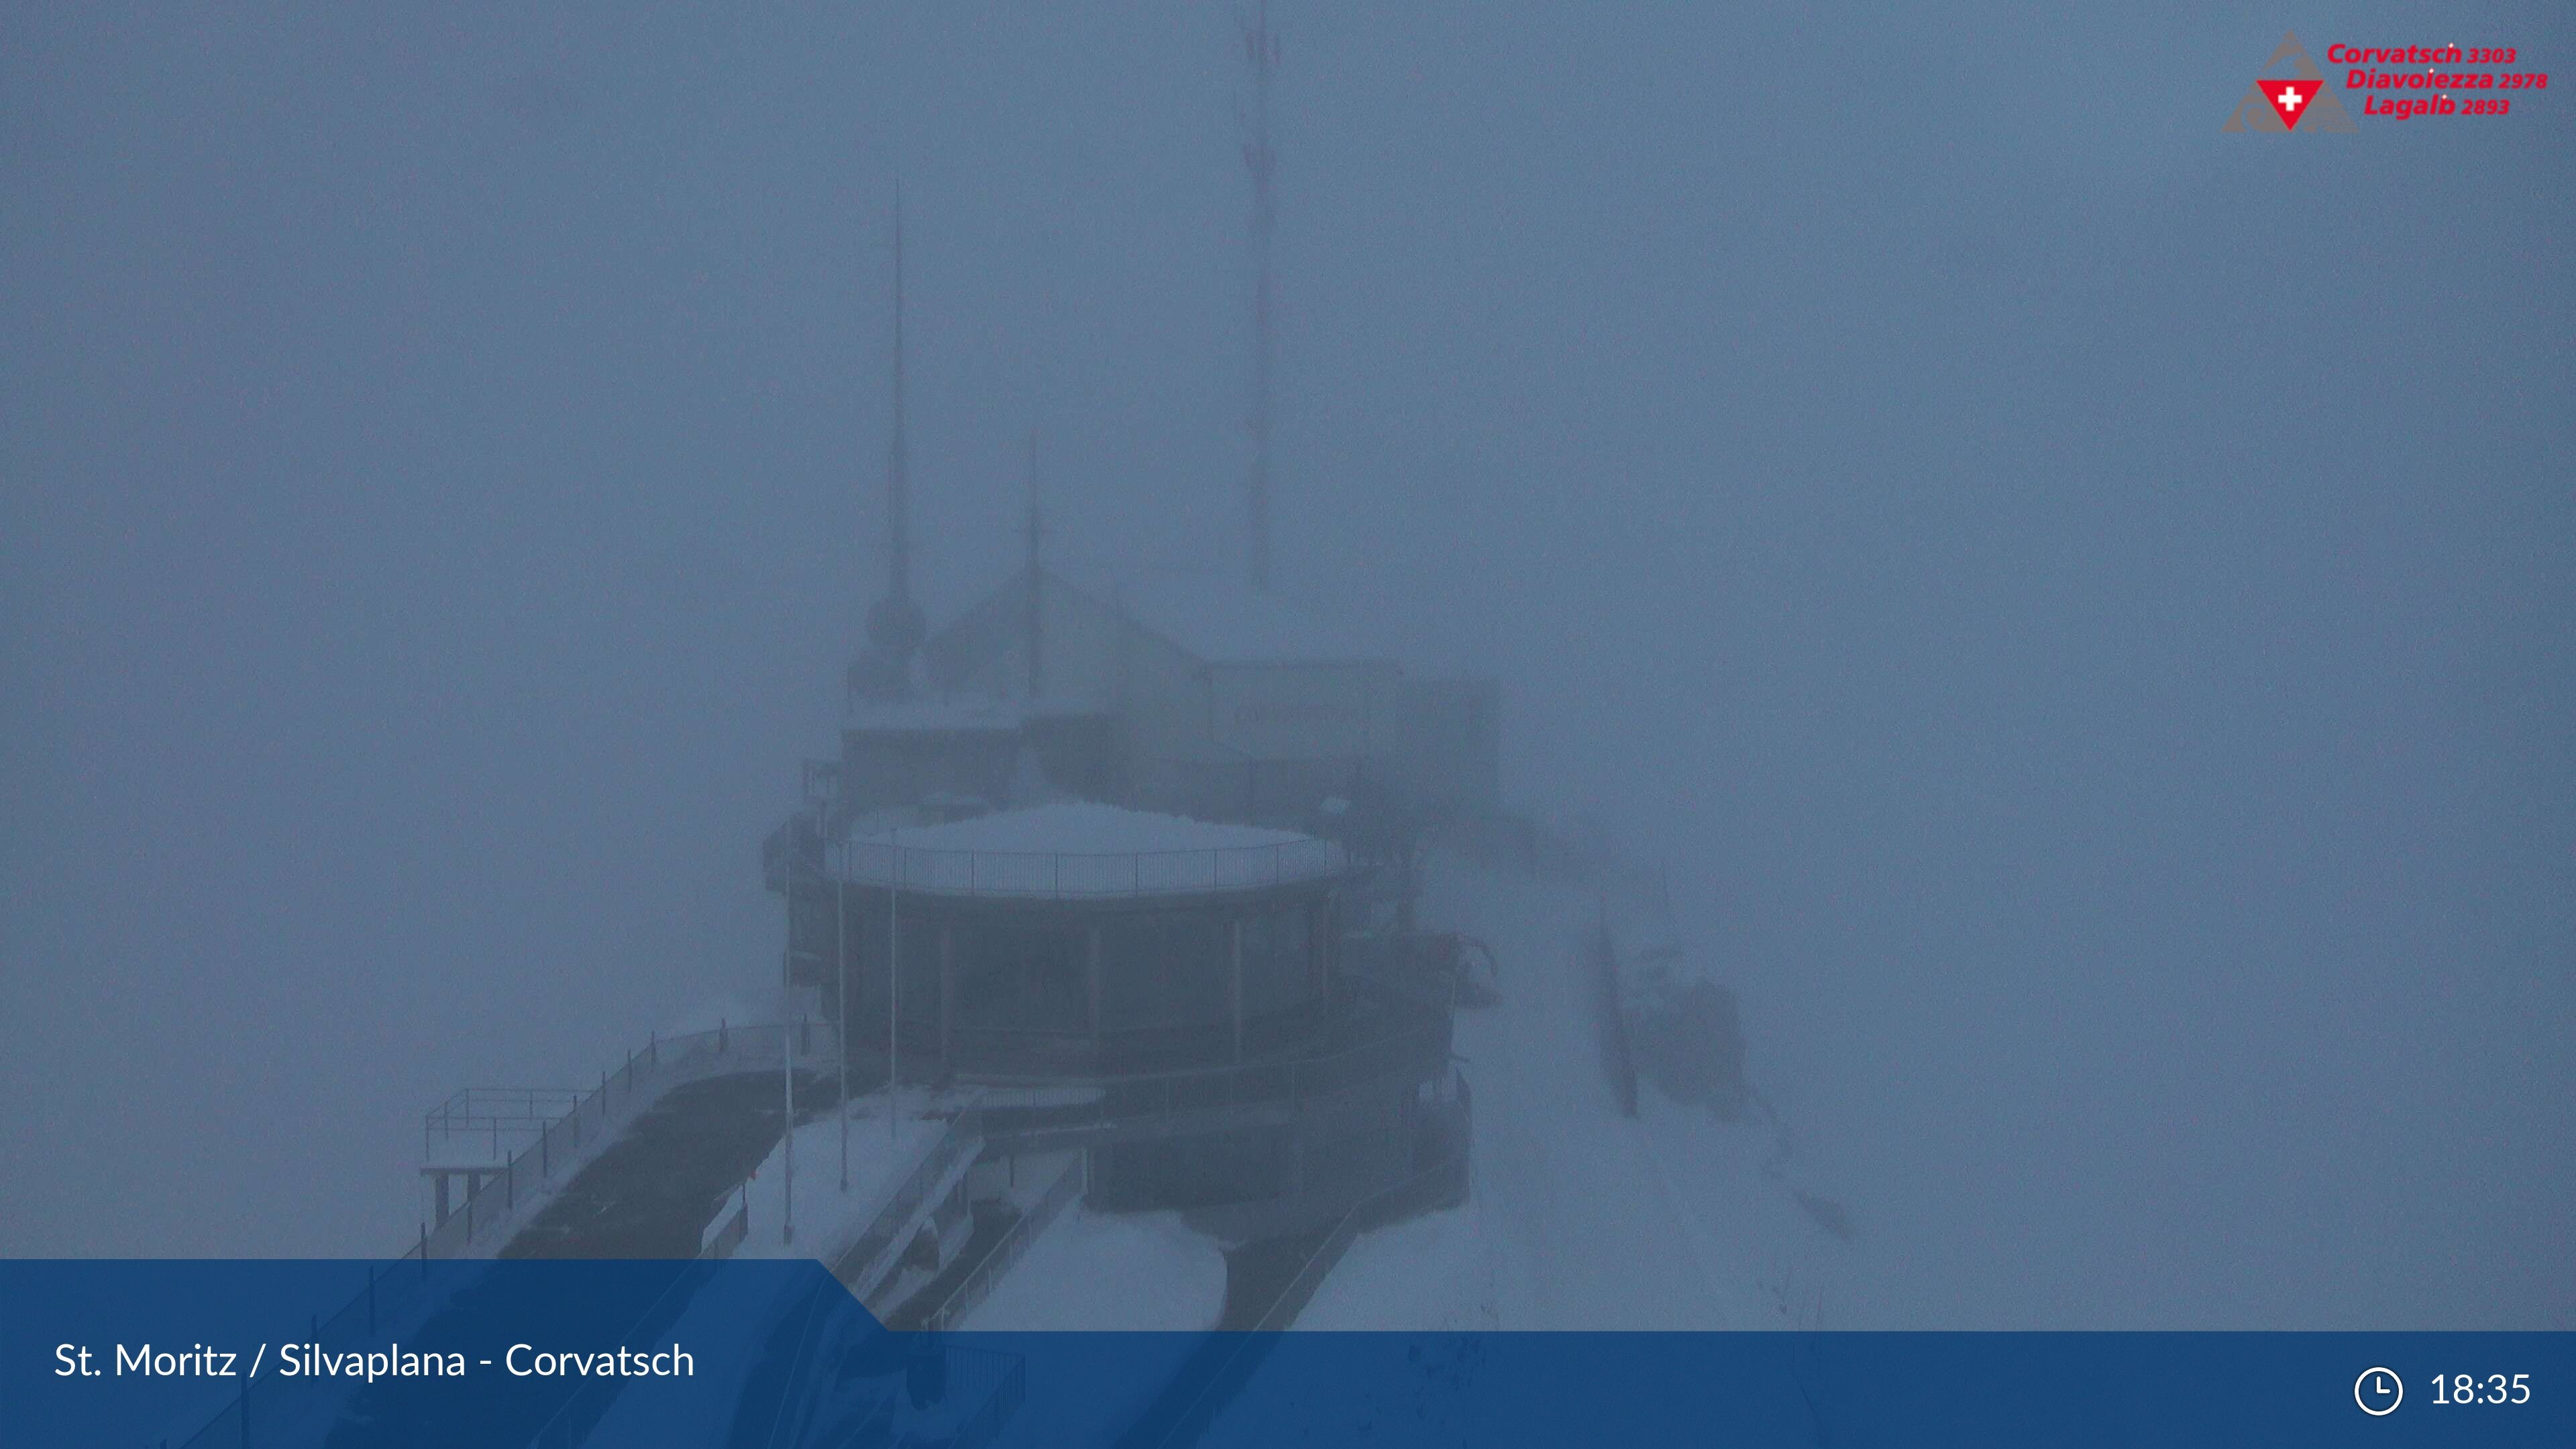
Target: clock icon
{"x":2378,"y":1391}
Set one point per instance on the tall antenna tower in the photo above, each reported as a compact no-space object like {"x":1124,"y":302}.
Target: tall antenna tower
{"x":895,"y":626}
{"x":1036,"y":600}
{"x":1261,"y":50}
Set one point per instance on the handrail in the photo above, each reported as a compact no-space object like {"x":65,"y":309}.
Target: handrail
{"x":1310,"y":1276}
{"x":969,"y":1295}
{"x":390,"y":1294}
{"x":1292,"y":1299}
{"x":718,"y":1241}
{"x":965,"y":1131}
{"x":493,"y":1111}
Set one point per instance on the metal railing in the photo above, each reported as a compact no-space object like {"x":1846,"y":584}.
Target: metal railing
{"x":393,"y":1297}
{"x":596,"y":1115}
{"x":721,"y":1238}
{"x":1066,"y":1190}
{"x":1065,"y":875}
{"x":873,"y":1250}
{"x":1227,"y":1377}
{"x":484,"y":1116}
{"x":391,"y":1300}
{"x":1365,"y":1214}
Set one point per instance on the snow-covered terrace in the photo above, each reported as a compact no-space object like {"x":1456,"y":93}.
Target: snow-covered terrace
{"x":1081,"y":850}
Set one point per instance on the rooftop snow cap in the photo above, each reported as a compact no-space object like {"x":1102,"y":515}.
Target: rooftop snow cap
{"x":1082,"y":849}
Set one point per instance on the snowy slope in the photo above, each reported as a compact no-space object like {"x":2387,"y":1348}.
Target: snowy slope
{"x":828,"y":1216}
{"x":1093,"y":1270}
{"x":1580,"y":1217}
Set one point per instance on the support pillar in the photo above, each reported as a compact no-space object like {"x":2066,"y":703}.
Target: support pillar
{"x":1319,"y":973}
{"x":947,"y":990}
{"x":1091,"y":980}
{"x":1234,"y":987}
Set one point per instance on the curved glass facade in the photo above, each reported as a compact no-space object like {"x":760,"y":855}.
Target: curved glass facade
{"x":981,"y":975}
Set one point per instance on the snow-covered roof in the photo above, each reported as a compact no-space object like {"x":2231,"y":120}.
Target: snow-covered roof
{"x":934,"y":716}
{"x":1085,"y":827}
{"x":1221,"y":622}
{"x":1084,"y":849}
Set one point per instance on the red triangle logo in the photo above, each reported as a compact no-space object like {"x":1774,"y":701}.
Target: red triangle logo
{"x":2290,"y":98}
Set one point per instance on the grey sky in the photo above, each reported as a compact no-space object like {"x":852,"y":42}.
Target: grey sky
{"x":2082,"y":601}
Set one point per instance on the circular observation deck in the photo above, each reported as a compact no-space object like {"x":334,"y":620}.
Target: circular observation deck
{"x":1083,"y":851}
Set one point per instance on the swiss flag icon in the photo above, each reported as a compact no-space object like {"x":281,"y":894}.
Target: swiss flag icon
{"x":2290,"y":98}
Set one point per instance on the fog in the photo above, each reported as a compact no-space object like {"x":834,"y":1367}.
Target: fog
{"x":2080,"y":602}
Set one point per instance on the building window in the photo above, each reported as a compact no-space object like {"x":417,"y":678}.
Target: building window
{"x":1276,"y":975}
{"x":1164,"y":969}
{"x":1012,"y":977}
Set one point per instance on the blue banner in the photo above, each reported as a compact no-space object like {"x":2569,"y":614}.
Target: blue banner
{"x":250,"y":1355}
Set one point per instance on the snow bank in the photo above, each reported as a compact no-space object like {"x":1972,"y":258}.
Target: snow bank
{"x":827,"y":1218}
{"x":1093,"y":1270}
{"x":1578,"y":1216}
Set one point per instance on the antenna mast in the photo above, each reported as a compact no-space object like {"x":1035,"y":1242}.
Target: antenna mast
{"x":1261,"y":50}
{"x":898,"y":456}
{"x":895,"y":626}
{"x":1037,"y":583}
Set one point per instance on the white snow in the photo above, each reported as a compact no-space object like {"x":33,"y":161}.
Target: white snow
{"x":827,"y":1218}
{"x":701,"y":1409}
{"x":1085,"y":828}
{"x":1578,"y":1217}
{"x":1094,"y":1270}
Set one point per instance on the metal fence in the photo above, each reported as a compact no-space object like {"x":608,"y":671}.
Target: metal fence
{"x":1063,"y":1192}
{"x":663,"y":1063}
{"x":872,"y":1252}
{"x":393,"y":1297}
{"x":487,"y":1123}
{"x":1074,"y":876}
{"x":964,"y":1133}
{"x":724,"y":1235}
{"x":1209,"y":1394}
{"x":1414,"y":1192}
{"x":281,"y":1410}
